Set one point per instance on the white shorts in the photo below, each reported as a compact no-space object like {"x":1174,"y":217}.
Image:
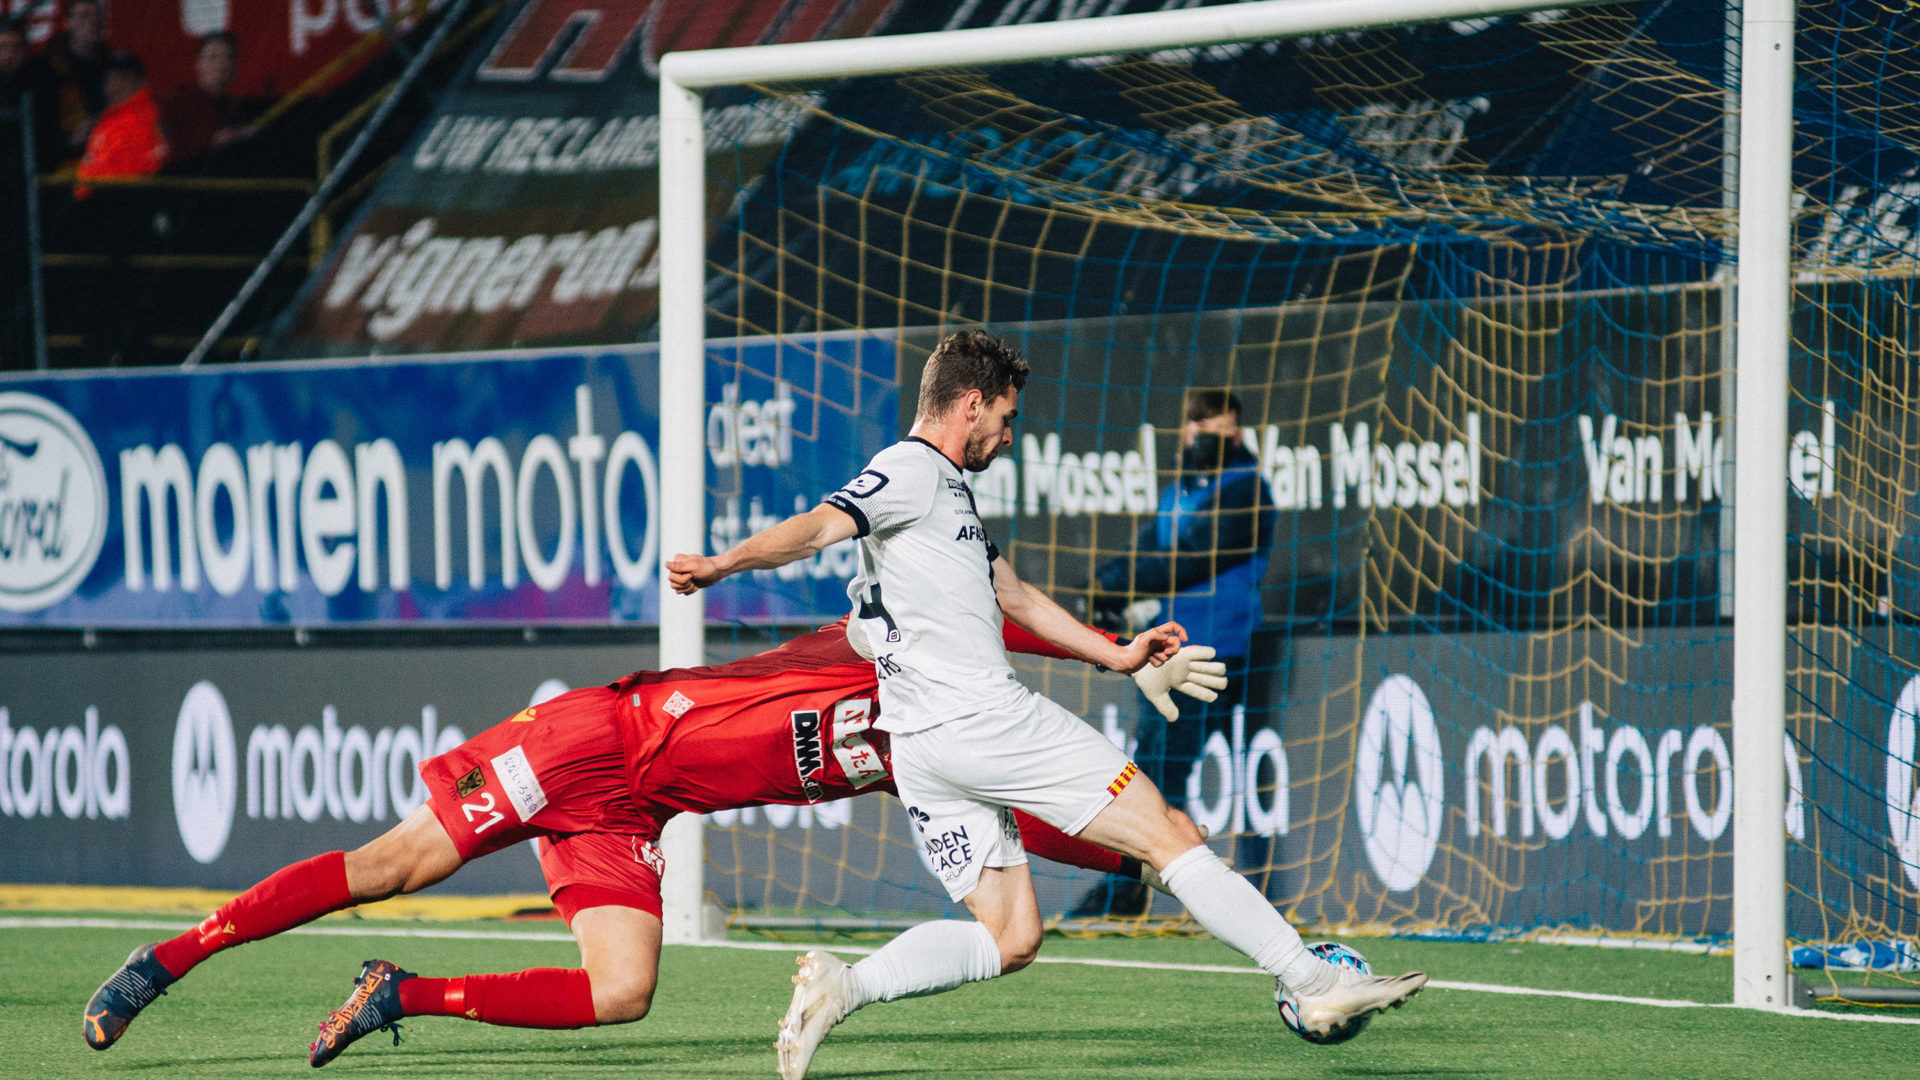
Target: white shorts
{"x":958,"y":780}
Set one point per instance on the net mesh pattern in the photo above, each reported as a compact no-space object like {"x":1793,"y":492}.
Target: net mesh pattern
{"x":1470,"y":284}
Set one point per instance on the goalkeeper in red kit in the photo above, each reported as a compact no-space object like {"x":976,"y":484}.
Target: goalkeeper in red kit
{"x":594,"y":774}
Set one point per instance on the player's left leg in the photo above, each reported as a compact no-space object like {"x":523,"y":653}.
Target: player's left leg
{"x":406,"y":858}
{"x":619,"y":964}
{"x":607,"y":887}
{"x":930,"y":958}
{"x":619,"y":957}
{"x":974,"y":848}
{"x":1139,"y":823}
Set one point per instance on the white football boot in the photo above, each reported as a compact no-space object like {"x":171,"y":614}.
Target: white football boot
{"x":821,"y":999}
{"x":1354,"y":995}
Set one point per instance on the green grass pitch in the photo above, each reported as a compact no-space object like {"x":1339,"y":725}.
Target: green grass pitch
{"x":250,"y":1013}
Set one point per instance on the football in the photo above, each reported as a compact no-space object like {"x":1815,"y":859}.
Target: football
{"x":1333,"y":953}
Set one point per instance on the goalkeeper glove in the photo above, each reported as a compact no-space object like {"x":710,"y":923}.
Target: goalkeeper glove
{"x":1192,"y":671}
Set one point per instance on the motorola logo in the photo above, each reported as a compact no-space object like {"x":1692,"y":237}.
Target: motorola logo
{"x":204,"y":772}
{"x":1903,"y":802}
{"x":1398,"y":783}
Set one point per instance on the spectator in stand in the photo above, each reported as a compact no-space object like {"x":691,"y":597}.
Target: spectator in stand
{"x":74,"y":68}
{"x":126,"y":141}
{"x":204,"y":115}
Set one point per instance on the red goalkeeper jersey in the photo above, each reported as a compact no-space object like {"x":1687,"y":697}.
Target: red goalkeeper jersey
{"x":791,"y":725}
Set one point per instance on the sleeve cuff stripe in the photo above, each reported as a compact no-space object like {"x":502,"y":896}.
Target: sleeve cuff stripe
{"x":842,"y":503}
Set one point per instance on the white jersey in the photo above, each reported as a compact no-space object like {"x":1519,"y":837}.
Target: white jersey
{"x":924,"y":594}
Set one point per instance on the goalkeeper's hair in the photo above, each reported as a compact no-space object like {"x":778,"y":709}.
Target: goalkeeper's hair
{"x":969,"y":360}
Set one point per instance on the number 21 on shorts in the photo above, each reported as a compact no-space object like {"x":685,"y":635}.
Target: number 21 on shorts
{"x":484,"y":806}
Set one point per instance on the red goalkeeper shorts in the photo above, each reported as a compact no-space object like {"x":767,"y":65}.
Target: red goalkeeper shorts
{"x":556,"y":771}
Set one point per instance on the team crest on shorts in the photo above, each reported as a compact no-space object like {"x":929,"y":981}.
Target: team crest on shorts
{"x":677,"y":705}
{"x":469,"y":783}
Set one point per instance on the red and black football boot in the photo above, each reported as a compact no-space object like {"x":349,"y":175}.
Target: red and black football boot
{"x":134,"y":987}
{"x":373,"y":1006}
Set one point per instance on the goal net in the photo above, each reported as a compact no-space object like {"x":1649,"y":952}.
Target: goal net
{"x":1469,"y":287}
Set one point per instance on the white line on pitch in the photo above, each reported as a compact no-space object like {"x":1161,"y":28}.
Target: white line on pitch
{"x":13,"y":923}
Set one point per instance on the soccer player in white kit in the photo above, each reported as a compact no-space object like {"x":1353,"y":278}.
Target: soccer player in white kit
{"x":970,"y":742}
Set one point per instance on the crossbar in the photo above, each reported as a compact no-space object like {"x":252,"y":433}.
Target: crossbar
{"x":1068,"y":38}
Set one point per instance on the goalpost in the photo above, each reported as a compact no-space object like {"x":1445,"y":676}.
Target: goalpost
{"x":1763,"y":304}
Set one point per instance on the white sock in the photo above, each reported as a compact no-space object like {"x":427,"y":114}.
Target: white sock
{"x":928,"y":959}
{"x":1235,"y":912}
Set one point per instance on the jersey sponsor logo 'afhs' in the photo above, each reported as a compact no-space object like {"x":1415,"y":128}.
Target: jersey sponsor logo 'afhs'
{"x":53,"y":503}
{"x":807,"y":758}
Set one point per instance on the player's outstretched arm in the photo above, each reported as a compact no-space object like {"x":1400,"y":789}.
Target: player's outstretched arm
{"x":795,"y":538}
{"x":1034,"y":611}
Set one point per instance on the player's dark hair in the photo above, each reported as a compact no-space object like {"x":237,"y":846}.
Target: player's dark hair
{"x":1207,"y":403}
{"x":969,"y":360}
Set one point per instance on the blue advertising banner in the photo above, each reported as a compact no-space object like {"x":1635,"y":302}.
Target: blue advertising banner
{"x":500,"y":489}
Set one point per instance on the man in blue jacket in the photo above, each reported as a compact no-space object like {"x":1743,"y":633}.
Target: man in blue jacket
{"x":1200,"y":559}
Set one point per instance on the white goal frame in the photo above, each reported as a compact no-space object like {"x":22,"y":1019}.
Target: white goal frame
{"x":1765,"y":145}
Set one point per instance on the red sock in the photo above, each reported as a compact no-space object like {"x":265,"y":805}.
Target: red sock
{"x":536,"y":998}
{"x":292,"y":896}
{"x":1044,"y":840}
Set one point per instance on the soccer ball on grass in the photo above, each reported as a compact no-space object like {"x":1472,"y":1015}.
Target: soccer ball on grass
{"x":1333,"y":953}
